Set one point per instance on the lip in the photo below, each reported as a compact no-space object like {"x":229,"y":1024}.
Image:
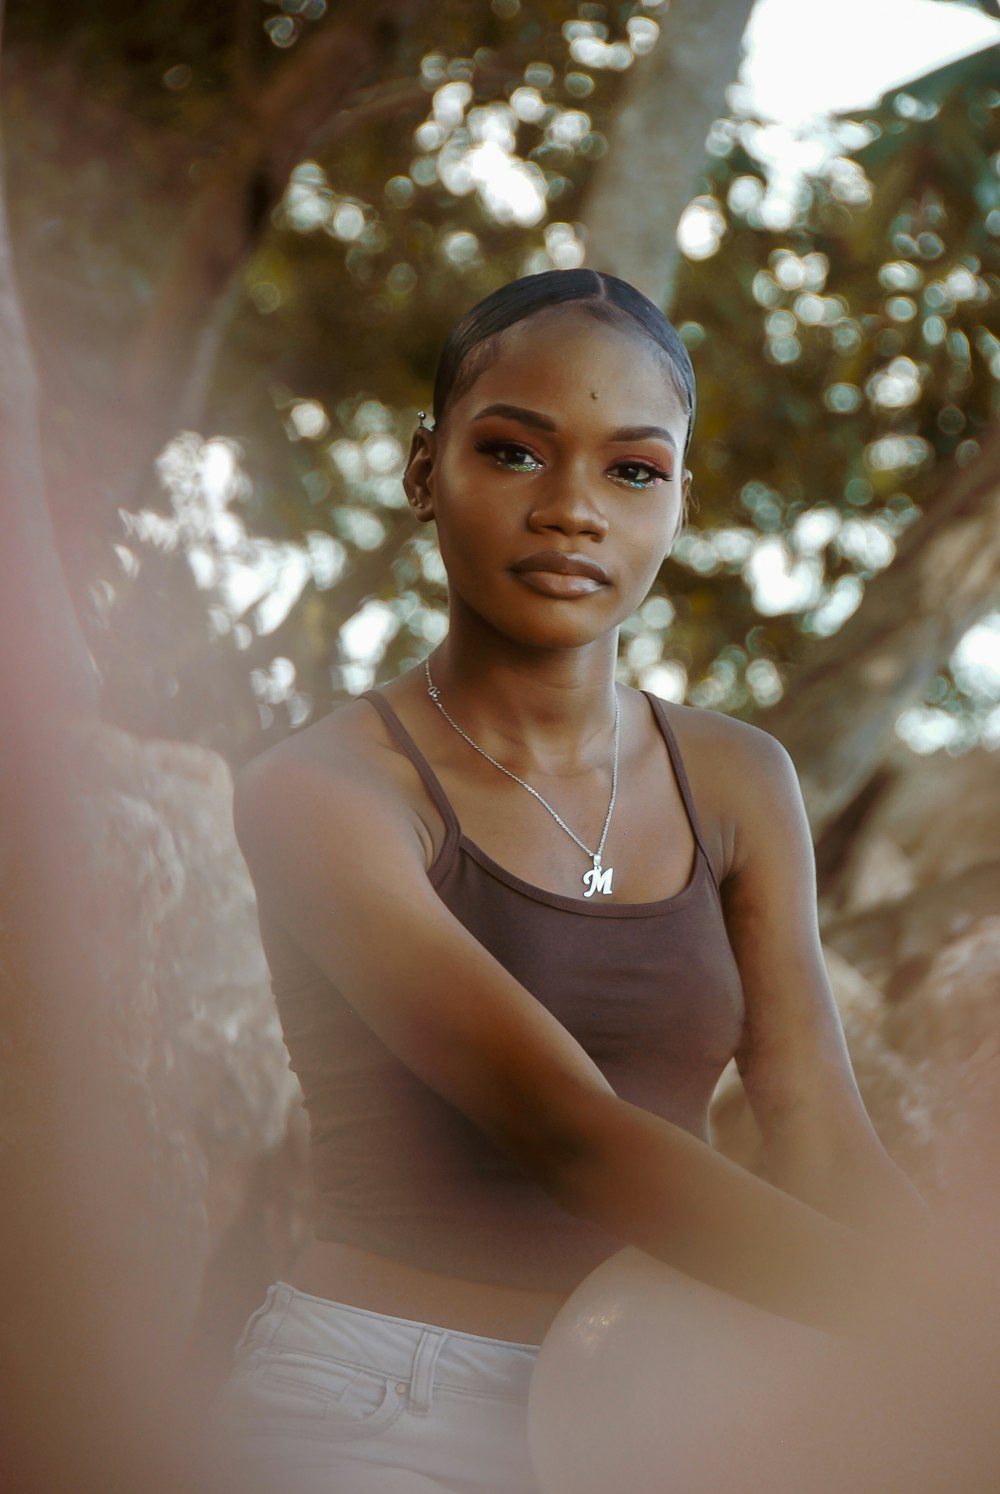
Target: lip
{"x":560,"y":584}
{"x":561,"y":563}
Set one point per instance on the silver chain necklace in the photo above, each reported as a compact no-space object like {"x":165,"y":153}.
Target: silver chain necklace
{"x":598,"y":879}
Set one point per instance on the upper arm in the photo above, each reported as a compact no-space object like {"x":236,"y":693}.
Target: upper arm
{"x":793,"y":1058}
{"x":340,"y":863}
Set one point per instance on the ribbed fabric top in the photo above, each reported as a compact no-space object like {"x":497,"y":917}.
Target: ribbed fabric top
{"x":650,"y":990}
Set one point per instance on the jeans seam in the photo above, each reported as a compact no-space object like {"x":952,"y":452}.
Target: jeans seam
{"x":474,"y":1393}
{"x":360,"y":1366}
{"x":262,"y":1348}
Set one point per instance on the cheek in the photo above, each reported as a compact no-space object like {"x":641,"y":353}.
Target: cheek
{"x":468,"y":534}
{"x":660,"y":527}
{"x":650,"y":548}
{"x":473,"y":512}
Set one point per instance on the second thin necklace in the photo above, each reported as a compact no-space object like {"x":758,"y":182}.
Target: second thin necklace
{"x":598,"y":878}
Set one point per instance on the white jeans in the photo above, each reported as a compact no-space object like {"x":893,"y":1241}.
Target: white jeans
{"x":329,"y":1399}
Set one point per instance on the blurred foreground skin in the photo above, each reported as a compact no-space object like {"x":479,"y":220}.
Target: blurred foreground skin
{"x":91,"y":1345}
{"x":653,"y":1383}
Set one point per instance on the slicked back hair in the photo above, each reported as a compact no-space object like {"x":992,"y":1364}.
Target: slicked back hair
{"x":473,"y":343}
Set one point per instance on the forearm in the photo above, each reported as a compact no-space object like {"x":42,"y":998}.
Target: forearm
{"x":855,"y":1182}
{"x":661,"y":1189}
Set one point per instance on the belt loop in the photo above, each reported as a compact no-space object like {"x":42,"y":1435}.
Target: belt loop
{"x":422,"y":1373}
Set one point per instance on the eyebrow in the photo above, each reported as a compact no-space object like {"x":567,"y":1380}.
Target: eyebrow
{"x":543,"y":423}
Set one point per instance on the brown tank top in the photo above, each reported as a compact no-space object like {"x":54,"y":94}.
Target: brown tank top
{"x":650,"y":990}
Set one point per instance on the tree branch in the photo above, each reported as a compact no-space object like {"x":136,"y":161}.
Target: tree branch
{"x":44,"y":664}
{"x":385,"y":101}
{"x":944,"y":577}
{"x":311,"y":93}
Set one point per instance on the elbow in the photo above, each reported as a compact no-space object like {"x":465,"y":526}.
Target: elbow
{"x":564,"y":1152}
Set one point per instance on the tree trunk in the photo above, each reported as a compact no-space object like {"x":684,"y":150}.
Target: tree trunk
{"x":45,"y":669}
{"x":656,"y":145}
{"x":309,"y":100}
{"x":838,"y":716}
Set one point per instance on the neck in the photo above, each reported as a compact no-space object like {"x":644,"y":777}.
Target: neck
{"x":550,"y":707}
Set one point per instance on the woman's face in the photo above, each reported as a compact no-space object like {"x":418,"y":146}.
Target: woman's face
{"x":556,"y":480}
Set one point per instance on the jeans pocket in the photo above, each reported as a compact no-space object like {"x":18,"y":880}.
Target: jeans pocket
{"x":320,"y":1395}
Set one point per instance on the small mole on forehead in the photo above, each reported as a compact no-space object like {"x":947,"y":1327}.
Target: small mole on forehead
{"x":593,"y":394}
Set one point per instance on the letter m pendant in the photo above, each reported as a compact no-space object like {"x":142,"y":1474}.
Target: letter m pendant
{"x":598,"y":880}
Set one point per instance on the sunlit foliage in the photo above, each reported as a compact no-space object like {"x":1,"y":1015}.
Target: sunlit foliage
{"x":845,"y":337}
{"x":844,"y":325}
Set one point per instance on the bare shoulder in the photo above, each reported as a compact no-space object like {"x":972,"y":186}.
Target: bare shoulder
{"x":713,"y":744}
{"x":743,"y":780}
{"x":341,"y":741}
{"x":322,"y":775}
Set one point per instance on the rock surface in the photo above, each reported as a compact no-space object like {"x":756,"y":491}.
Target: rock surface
{"x":202,"y":1069}
{"x":937,"y":818}
{"x":913,"y":954}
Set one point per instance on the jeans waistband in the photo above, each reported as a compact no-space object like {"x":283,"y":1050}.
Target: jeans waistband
{"x":421,"y":1354}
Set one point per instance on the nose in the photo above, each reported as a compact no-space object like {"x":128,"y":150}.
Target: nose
{"x":565,"y":504}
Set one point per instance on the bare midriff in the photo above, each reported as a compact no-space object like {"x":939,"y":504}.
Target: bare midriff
{"x":358,"y":1278}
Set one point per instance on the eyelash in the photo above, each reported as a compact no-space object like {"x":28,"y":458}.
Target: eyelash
{"x":495,"y":449}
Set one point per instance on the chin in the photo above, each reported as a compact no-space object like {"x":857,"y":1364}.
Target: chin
{"x":555,"y":636}
{"x":543,"y":623}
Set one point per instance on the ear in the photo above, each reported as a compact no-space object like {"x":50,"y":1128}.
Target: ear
{"x":418,"y":474}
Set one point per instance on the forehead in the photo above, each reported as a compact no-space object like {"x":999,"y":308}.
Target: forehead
{"x":565,"y":361}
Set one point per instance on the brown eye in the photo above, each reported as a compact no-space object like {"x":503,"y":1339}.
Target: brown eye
{"x":639,"y":474}
{"x":510,"y":456}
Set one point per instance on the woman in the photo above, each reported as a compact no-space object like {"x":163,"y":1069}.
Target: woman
{"x":519,"y":918}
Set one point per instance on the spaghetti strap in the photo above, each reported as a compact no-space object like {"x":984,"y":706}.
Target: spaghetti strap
{"x":426,"y":773}
{"x":673,"y":747}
